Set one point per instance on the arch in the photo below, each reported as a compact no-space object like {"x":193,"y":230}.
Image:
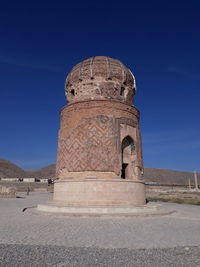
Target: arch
{"x":127,"y":150}
{"x":128,"y":141}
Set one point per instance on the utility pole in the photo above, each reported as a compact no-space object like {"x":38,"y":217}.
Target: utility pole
{"x":189,"y":184}
{"x":195,"y":180}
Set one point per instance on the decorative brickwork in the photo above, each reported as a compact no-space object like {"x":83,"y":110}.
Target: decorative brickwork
{"x":90,"y":146}
{"x":99,"y":115}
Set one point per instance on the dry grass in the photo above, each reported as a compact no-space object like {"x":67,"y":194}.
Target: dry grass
{"x":176,"y":200}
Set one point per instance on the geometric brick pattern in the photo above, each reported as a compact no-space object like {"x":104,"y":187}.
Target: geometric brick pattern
{"x":90,"y":146}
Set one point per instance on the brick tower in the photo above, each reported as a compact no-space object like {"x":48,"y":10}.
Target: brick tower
{"x":99,"y":161}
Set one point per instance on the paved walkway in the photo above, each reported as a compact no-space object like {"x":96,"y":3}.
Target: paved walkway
{"x":172,"y":240}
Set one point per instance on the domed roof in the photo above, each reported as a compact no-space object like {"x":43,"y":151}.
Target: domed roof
{"x":100,"y":77}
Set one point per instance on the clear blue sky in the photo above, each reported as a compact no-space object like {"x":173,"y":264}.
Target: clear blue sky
{"x":40,"y":41}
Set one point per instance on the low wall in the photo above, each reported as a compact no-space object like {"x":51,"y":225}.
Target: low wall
{"x":7,"y":192}
{"x":23,"y":186}
{"x":166,"y":187}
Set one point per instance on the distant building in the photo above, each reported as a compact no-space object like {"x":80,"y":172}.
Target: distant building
{"x":9,"y":179}
{"x":29,"y":180}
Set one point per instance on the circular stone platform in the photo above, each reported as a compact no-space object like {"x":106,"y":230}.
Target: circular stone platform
{"x":140,"y":211}
{"x":100,"y":197}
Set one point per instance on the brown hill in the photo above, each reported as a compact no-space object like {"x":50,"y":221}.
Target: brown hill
{"x":46,"y":172}
{"x":151,"y":175}
{"x":9,"y":169}
{"x":169,"y":177}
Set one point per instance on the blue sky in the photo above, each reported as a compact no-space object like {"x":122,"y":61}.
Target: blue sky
{"x":40,"y":41}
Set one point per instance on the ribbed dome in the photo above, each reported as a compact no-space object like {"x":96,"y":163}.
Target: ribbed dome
{"x":100,"y":77}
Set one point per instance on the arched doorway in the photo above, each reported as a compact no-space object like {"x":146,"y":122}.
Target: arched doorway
{"x":128,"y":148}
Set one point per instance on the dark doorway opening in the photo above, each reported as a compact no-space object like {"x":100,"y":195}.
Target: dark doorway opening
{"x":128,"y":148}
{"x":123,"y":174}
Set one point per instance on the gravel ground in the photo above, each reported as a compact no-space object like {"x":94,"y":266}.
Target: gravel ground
{"x":37,"y":240}
{"x":27,"y":255}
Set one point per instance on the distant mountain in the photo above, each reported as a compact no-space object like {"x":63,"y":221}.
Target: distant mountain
{"x":9,"y":169}
{"x":151,"y":175}
{"x":46,"y":172}
{"x":169,"y":177}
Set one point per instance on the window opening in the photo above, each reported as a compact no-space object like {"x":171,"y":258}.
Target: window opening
{"x":72,"y":92}
{"x":132,"y":146}
{"x":122,"y":91}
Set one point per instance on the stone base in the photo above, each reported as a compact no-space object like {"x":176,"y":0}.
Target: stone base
{"x":143,"y":211}
{"x":99,"y":192}
{"x":100,"y":198}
